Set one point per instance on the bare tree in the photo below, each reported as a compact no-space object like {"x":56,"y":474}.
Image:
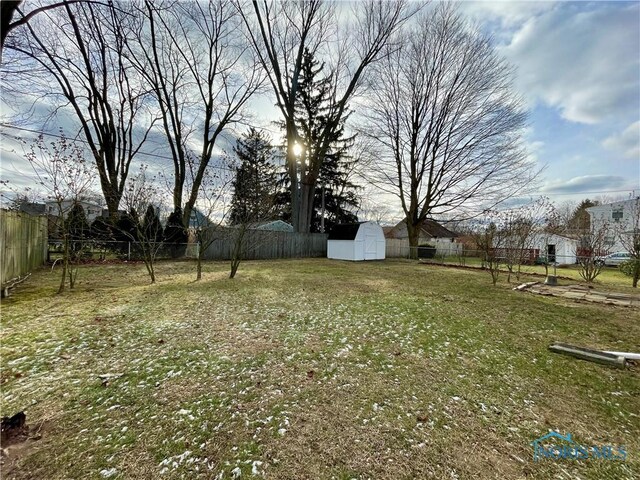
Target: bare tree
{"x":490,"y":239}
{"x":447,"y":120}
{"x":373,"y":209}
{"x":522,"y":226}
{"x":211,"y":210}
{"x":80,"y":47}
{"x":65,"y":179}
{"x":281,"y":32}
{"x":142,"y":200}
{"x":8,"y":8}
{"x":594,"y":242}
{"x":254,"y":195}
{"x":196,"y":62}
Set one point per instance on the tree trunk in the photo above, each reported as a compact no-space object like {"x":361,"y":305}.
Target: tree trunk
{"x":8,"y":7}
{"x":413,"y":233}
{"x":112,"y":199}
{"x":235,"y":263}
{"x":65,"y":264}
{"x":307,"y":194}
{"x":236,"y":256}
{"x":636,"y":273}
{"x":72,"y":269}
{"x":151,"y":270}
{"x":199,"y":267}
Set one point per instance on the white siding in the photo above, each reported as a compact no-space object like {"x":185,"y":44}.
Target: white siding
{"x":369,"y":244}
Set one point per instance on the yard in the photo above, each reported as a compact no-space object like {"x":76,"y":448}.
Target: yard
{"x":309,"y":369}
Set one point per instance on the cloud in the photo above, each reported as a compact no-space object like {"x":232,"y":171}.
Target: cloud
{"x":582,"y":59}
{"x":587,"y":184}
{"x":627,"y":142}
{"x":508,"y":14}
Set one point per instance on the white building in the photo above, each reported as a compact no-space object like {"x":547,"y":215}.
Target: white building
{"x":621,"y":218}
{"x":356,"y":241}
{"x":555,"y":248}
{"x":91,"y":210}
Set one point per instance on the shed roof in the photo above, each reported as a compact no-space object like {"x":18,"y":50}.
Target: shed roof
{"x":344,"y":231}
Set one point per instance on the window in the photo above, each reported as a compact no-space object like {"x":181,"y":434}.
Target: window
{"x":617,"y":214}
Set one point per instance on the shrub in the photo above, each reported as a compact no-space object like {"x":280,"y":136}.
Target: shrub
{"x":629,"y":267}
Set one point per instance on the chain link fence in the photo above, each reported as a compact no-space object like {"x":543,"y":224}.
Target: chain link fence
{"x":87,"y":250}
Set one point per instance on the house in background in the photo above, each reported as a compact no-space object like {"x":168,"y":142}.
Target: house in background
{"x":91,"y":210}
{"x":356,"y":242}
{"x":431,"y":232}
{"x":555,"y":248}
{"x":33,"y":208}
{"x":620,"y":217}
{"x":197,"y":219}
{"x":273,"y":226}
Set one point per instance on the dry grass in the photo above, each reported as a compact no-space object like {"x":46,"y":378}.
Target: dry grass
{"x":309,"y":369}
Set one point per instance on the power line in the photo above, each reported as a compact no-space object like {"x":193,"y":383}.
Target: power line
{"x":155,"y":155}
{"x":164,"y":157}
{"x":587,"y":193}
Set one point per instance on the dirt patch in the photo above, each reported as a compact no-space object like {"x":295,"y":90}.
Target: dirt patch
{"x":18,"y":441}
{"x":582,"y":294}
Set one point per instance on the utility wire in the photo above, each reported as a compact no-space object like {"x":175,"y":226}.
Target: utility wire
{"x":164,"y":157}
{"x":155,"y":155}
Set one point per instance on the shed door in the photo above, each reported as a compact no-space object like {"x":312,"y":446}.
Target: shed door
{"x":370,"y":247}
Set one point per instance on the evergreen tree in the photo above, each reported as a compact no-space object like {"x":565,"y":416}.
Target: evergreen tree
{"x":126,"y":227}
{"x":580,"y":220}
{"x":78,"y":230}
{"x":102,"y":229}
{"x":77,"y":224}
{"x":151,"y":226}
{"x":175,"y":234}
{"x":255,"y":183}
{"x":312,"y":115}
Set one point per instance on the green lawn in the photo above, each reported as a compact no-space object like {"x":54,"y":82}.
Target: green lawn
{"x":609,"y":277}
{"x":309,"y":369}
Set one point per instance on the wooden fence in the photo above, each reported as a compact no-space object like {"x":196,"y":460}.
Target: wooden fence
{"x":23,"y":243}
{"x":262,"y":244}
{"x":399,"y":247}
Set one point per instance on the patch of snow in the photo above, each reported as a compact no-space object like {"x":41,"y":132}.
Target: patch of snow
{"x":107,"y":473}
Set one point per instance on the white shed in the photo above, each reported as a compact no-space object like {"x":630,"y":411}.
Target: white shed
{"x":356,"y":241}
{"x":556,"y":248}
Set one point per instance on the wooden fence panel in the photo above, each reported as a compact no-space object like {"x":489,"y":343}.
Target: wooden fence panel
{"x":263,"y":244}
{"x":399,"y":247}
{"x":23,"y":243}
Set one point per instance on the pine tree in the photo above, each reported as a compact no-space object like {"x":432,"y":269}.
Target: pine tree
{"x":580,"y":220}
{"x":77,"y":223}
{"x":151,"y":226}
{"x":255,"y":184}
{"x":312,"y":114}
{"x":175,"y":234}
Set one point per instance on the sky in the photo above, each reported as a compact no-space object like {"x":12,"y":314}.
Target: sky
{"x":577,"y":68}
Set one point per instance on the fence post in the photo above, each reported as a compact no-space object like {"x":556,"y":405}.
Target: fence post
{"x":128,"y":250}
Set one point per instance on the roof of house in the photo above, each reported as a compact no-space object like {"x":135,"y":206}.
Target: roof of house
{"x":198,"y":219}
{"x":620,"y":203}
{"x":33,"y":208}
{"x":344,"y":231}
{"x":273,"y":225}
{"x":428,"y":227}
